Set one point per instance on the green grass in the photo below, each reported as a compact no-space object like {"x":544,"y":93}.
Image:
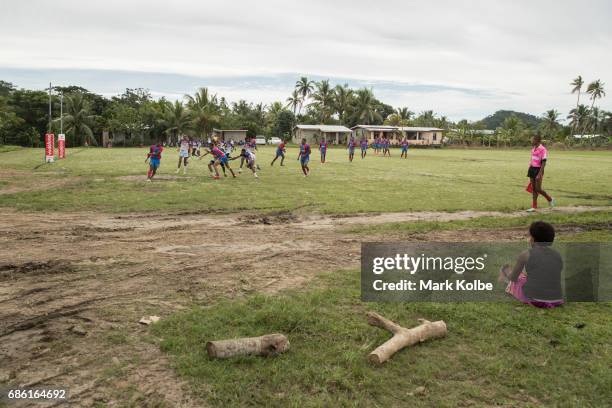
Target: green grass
{"x":9,"y":148}
{"x":595,"y":219}
{"x":434,"y":179}
{"x":495,"y":353}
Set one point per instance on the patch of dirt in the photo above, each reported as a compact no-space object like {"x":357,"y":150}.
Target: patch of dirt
{"x":73,"y":286}
{"x":12,"y":271}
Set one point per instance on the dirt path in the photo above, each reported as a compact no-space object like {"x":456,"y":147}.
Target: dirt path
{"x":74,"y":285}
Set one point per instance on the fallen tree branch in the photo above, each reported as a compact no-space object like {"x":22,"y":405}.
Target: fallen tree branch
{"x":402,"y":337}
{"x":268,"y":345}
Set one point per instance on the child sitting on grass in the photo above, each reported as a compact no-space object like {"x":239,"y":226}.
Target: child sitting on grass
{"x":536,"y":276}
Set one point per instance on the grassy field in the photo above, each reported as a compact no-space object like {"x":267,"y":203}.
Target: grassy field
{"x":112,"y":180}
{"x":496,"y":354}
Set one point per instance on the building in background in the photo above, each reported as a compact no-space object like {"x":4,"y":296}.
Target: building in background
{"x":334,"y":134}
{"x":236,"y":135}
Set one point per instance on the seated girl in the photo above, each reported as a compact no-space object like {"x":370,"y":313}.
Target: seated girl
{"x":536,"y":276}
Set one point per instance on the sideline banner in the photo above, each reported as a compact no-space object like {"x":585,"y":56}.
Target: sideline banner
{"x":49,"y":147}
{"x":468,"y":272}
{"x":61,"y":146}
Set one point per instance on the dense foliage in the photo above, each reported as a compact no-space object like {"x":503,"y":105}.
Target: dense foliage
{"x":135,"y":118}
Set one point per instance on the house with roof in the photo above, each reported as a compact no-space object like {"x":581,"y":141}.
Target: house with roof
{"x":372,"y":132}
{"x":423,"y":136}
{"x":235,"y":135}
{"x":334,"y":134}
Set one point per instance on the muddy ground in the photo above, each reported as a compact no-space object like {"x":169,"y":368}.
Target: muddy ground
{"x":73,"y":287}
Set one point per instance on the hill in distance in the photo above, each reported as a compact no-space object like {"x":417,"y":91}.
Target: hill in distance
{"x":497,"y":119}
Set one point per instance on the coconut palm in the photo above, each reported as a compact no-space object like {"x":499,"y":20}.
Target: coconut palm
{"x":400,"y":117}
{"x":550,"y":122}
{"x":365,"y":108}
{"x":294,"y":101}
{"x":323,"y":98}
{"x":426,"y":118}
{"x":78,"y":120}
{"x":304,"y":88}
{"x":204,"y":111}
{"x":343,"y":99}
{"x":577,"y":87}
{"x":176,"y":119}
{"x":201,"y":99}
{"x":596,"y":91}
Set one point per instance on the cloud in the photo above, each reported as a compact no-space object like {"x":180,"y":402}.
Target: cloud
{"x":482,"y":55}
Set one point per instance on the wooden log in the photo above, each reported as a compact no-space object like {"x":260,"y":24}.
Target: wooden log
{"x":402,"y":337}
{"x":268,"y":345}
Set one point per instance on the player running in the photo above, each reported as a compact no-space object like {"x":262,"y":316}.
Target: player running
{"x":154,"y":158}
{"x":280,"y":152}
{"x":539,"y":156}
{"x":404,"y":148}
{"x":220,"y":159}
{"x":323,"y":149}
{"x":304,"y":157}
{"x":249,"y":157}
{"x":184,"y":150}
{"x":364,"y":147}
{"x":351,"y":148}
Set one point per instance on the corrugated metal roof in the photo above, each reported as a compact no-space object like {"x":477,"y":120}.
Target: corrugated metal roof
{"x":325,"y":128}
{"x":376,"y":128}
{"x":419,"y":129}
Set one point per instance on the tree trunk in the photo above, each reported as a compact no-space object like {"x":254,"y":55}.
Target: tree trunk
{"x":268,"y":345}
{"x":402,"y":337}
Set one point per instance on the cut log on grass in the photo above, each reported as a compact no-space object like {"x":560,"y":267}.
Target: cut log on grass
{"x":402,"y":337}
{"x":268,"y":345}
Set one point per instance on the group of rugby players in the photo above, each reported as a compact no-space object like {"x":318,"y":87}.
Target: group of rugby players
{"x":221,"y":154}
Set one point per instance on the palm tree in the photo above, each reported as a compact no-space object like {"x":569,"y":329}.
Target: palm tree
{"x":404,"y":114}
{"x":201,"y":99}
{"x":204,"y":111}
{"x":176,"y":119}
{"x":427,"y":118}
{"x":400,"y":117}
{"x":511,"y":130}
{"x":365,"y":108}
{"x":304,"y":88}
{"x":294,"y":101}
{"x":578,"y":117}
{"x":596,"y":91}
{"x":550,"y":122}
{"x":78,"y":120}
{"x":324,"y":100}
{"x":577,"y":87}
{"x":344,"y":97}
{"x":464,"y":131}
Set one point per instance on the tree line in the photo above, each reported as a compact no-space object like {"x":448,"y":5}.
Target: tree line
{"x":135,"y":117}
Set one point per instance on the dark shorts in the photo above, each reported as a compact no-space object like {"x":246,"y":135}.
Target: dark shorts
{"x":533,"y":172}
{"x":154,"y":163}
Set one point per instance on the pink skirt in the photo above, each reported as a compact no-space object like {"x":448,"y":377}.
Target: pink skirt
{"x":516,"y":290}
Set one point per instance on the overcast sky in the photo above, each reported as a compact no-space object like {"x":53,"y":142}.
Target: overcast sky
{"x":459,"y":58}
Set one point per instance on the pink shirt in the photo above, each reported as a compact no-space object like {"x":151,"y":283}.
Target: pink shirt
{"x":537,"y":155}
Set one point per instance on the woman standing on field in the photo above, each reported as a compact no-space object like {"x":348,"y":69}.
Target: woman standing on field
{"x":539,"y":156}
